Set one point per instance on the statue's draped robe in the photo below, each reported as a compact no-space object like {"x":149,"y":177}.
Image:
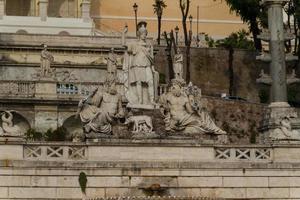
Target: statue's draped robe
{"x":95,"y":117}
{"x":138,"y":67}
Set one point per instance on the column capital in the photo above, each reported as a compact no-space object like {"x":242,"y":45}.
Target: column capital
{"x":274,"y":2}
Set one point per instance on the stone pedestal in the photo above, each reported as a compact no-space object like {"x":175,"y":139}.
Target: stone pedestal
{"x":45,"y":89}
{"x":85,"y":10}
{"x":2,"y":8}
{"x":281,"y":123}
{"x":43,"y":9}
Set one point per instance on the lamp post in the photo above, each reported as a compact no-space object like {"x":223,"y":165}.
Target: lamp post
{"x":191,"y":22}
{"x":176,"y":34}
{"x":135,"y":8}
{"x":191,"y":30}
{"x":198,"y":39}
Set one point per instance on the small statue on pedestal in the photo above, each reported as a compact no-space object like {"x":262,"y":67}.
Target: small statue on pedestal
{"x":178,"y":65}
{"x":46,"y":60}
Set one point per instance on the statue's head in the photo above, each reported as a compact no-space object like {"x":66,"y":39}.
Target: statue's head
{"x":142,"y":30}
{"x":111,"y":87}
{"x":176,"y":90}
{"x":45,"y":46}
{"x":112,"y":50}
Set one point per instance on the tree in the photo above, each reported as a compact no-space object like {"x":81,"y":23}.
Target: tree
{"x":252,"y":13}
{"x":170,"y":43}
{"x":158,"y":7}
{"x":185,"y":7}
{"x":236,"y":40}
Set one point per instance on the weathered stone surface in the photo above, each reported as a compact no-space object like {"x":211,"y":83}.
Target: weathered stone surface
{"x":4,"y":192}
{"x":11,"y":152}
{"x":237,"y":182}
{"x":200,"y":181}
{"x":230,"y":193}
{"x":271,"y":193}
{"x":31,"y":193}
{"x":150,"y":153}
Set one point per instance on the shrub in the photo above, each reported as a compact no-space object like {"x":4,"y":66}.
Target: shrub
{"x":33,"y":135}
{"x":59,"y":134}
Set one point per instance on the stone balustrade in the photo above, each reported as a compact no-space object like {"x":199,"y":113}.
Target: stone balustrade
{"x":17,"y":88}
{"x":54,"y":152}
{"x":162,"y":89}
{"x":27,"y":89}
{"x":81,"y":151}
{"x":243,"y":154}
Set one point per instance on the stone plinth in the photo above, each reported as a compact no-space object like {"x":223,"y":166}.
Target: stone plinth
{"x":45,"y":89}
{"x":85,"y":10}
{"x":43,"y":9}
{"x":2,"y":8}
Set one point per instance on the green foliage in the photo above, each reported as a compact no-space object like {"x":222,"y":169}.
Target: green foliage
{"x":247,"y":9}
{"x":158,"y":7}
{"x":59,"y":134}
{"x":264,"y":95}
{"x":162,"y":78}
{"x":292,"y":94}
{"x":238,"y":40}
{"x":33,"y":135}
{"x":210,"y":41}
{"x":253,"y":134}
{"x":82,"y":179}
{"x":253,"y":13}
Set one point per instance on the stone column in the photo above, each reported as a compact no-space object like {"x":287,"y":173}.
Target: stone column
{"x":277,"y":49}
{"x":43,"y":9}
{"x":281,"y":122}
{"x":2,"y":8}
{"x":85,"y":10}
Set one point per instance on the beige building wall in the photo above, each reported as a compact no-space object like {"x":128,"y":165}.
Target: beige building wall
{"x":215,"y":18}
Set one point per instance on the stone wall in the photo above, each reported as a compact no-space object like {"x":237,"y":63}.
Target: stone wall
{"x":179,"y":168}
{"x":209,"y":71}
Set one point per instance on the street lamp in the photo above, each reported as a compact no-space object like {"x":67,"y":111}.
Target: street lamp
{"x":135,"y":8}
{"x":191,"y":21}
{"x":176,"y":34}
{"x":198,"y":39}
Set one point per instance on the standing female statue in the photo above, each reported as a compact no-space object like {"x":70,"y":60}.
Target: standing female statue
{"x":141,"y":82}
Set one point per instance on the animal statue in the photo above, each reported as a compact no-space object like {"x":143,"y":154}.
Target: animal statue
{"x":140,"y":123}
{"x":8,"y":126}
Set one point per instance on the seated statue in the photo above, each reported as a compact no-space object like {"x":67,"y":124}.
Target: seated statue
{"x":99,"y":110}
{"x":183,"y":114}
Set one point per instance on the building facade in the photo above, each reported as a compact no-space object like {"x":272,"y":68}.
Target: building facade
{"x":46,"y":17}
{"x":111,"y":16}
{"x":215,"y":18}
